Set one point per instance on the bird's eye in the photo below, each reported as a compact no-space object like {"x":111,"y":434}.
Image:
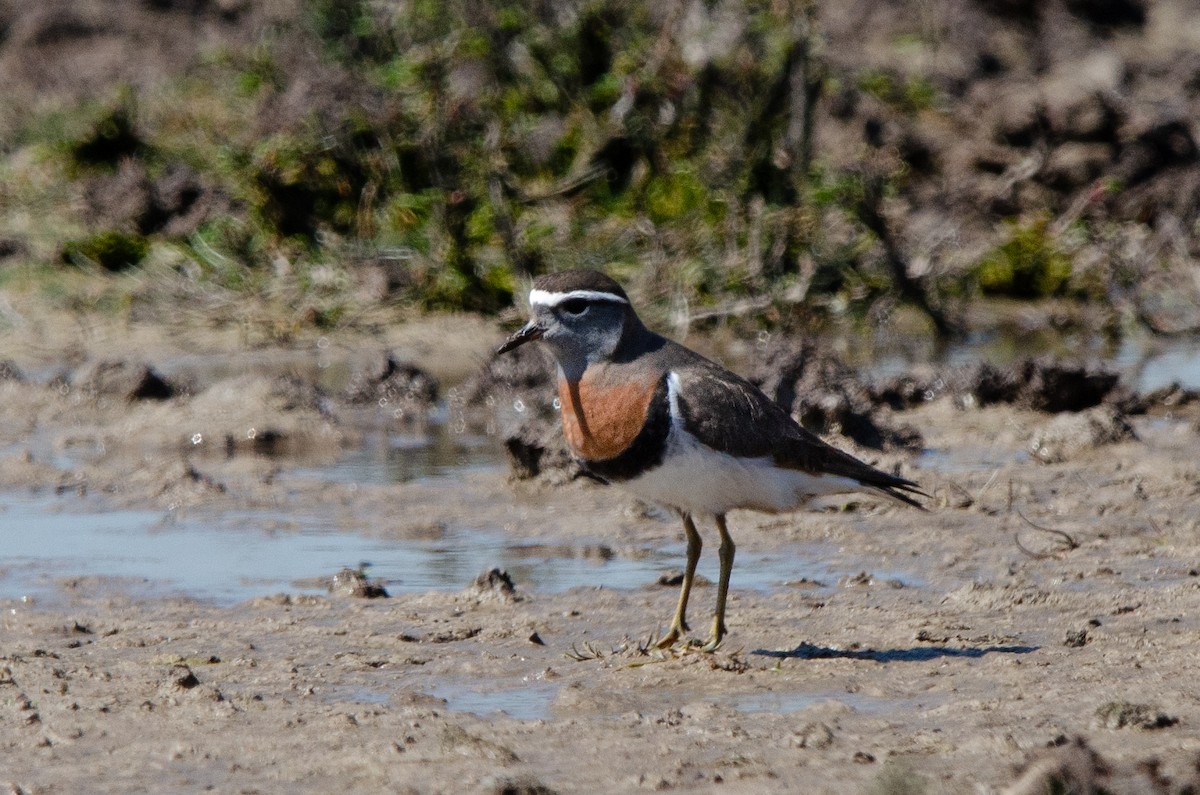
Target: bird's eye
{"x":574,"y":306}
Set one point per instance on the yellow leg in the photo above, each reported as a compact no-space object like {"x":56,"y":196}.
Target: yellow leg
{"x":679,"y":623}
{"x":726,"y":552}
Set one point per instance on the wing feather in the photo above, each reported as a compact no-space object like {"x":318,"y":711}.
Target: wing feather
{"x":711,"y":395}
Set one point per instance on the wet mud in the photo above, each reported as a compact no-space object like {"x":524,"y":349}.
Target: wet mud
{"x":1034,"y":630}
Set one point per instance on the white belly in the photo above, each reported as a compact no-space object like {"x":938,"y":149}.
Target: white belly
{"x":698,"y":480}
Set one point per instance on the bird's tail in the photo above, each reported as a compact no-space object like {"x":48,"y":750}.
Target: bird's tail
{"x":898,"y":488}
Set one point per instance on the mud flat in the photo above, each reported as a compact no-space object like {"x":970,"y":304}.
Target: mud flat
{"x":1039,"y":623}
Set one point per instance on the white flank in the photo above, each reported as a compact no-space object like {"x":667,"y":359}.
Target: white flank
{"x":545,"y":298}
{"x":699,"y":480}
{"x":673,"y":401}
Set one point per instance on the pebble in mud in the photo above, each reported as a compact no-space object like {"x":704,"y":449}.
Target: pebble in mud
{"x":813,"y":735}
{"x":10,"y":372}
{"x":1076,"y":638}
{"x":182,"y":677}
{"x":673,"y":579}
{"x":495,"y":584}
{"x":355,"y":583}
{"x":1123,"y":714}
{"x":517,"y":786}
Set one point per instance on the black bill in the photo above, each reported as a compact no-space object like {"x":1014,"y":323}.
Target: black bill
{"x":528,"y":333}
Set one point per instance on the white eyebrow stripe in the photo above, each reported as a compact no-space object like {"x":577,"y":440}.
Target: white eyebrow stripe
{"x":546,"y":298}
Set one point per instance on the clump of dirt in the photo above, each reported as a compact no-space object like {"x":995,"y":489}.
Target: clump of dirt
{"x":1069,"y":434}
{"x":537,"y":449}
{"x":813,"y":735}
{"x":1045,"y":383}
{"x":9,"y":371}
{"x":355,"y":583}
{"x":1170,"y":397}
{"x":1042,"y":384}
{"x":1073,"y":765}
{"x":388,"y":381}
{"x":181,"y":676}
{"x":827,"y":397}
{"x":263,"y":416}
{"x":495,"y":584}
{"x":517,"y":391}
{"x":1123,"y":714}
{"x":526,"y":785}
{"x":122,"y":380}
{"x":525,"y":374}
{"x":178,"y":482}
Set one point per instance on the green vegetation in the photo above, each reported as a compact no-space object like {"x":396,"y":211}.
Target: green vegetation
{"x":109,"y":138}
{"x":110,"y":249}
{"x":1028,"y":264}
{"x":445,"y":152}
{"x":910,"y":95}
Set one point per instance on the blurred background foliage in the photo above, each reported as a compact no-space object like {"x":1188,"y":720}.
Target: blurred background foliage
{"x":785,"y":159}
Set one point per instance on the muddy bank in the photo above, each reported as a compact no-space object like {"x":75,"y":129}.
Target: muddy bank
{"x":978,"y":665}
{"x":1043,"y":598}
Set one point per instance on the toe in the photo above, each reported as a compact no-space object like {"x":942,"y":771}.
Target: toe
{"x":670,"y":639}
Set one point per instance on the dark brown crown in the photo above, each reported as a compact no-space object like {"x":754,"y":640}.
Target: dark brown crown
{"x":566,"y":281}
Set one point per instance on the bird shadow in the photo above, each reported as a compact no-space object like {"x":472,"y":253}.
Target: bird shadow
{"x":809,"y":651}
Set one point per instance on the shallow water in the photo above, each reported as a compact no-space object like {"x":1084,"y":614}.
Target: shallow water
{"x":1145,"y":362}
{"x":522,"y":701}
{"x":404,"y":457}
{"x":230,"y":557}
{"x":535,"y":699}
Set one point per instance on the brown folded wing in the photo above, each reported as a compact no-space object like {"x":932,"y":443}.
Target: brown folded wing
{"x":730,"y":414}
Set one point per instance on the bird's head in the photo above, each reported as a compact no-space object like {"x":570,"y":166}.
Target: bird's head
{"x":581,"y":315}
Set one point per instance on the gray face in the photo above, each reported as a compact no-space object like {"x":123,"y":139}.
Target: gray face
{"x":580,"y":328}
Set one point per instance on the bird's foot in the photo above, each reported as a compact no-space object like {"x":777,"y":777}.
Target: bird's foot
{"x":676,"y":639}
{"x":673,"y":636}
{"x":714,"y":640}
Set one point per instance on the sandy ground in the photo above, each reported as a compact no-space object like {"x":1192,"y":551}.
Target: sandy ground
{"x":982,"y":658}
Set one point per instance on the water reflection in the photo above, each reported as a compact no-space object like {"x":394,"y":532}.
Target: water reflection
{"x":523,"y":701}
{"x":237,"y":555}
{"x":404,"y":457}
{"x":1144,"y":362}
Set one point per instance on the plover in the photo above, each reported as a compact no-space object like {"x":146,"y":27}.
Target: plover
{"x":677,"y":429}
